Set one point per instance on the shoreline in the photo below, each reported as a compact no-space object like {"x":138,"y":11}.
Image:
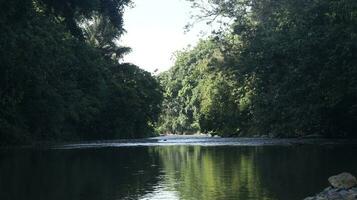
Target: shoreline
{"x":342,"y":187}
{"x":187,"y":140}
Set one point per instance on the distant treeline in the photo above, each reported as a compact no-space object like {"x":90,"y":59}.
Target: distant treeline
{"x":284,"y":68}
{"x":60,"y":78}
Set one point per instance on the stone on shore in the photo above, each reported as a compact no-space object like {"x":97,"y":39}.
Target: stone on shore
{"x":344,"y":180}
{"x":343,"y":187}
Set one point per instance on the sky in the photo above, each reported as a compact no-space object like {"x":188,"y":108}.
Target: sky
{"x":155,"y":30}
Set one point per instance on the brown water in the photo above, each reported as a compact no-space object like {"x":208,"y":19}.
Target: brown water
{"x":278,"y":171}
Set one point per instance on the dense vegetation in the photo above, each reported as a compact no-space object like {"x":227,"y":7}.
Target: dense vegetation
{"x":284,"y":68}
{"x":60,"y":78}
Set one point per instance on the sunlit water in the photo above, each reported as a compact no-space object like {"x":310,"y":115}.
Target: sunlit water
{"x":174,"y":168}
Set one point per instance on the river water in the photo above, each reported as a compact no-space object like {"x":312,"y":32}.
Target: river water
{"x":171,"y":168}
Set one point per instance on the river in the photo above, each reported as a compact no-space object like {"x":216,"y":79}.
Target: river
{"x":170,"y":168}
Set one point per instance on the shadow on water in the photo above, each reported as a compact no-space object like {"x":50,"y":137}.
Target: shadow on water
{"x":172,"y":172}
{"x":81,"y":174}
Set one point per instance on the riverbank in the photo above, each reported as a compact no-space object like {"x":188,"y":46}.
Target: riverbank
{"x":202,"y":140}
{"x":342,"y":187}
{"x":190,"y":140}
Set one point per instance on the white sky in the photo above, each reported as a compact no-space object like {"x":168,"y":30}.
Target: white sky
{"x":155,"y":30}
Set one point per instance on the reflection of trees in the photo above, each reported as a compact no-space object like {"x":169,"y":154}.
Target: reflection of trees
{"x":80,"y":174}
{"x":192,"y":172}
{"x":270,"y":172}
{"x":212,"y":172}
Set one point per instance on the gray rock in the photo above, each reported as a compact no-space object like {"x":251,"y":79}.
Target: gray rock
{"x":352,"y":197}
{"x":354,"y":190}
{"x":327,"y":189}
{"x":344,"y":187}
{"x":344,"y":180}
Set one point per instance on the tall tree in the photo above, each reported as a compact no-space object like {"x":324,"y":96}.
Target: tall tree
{"x":59,"y":83}
{"x":294,"y":65}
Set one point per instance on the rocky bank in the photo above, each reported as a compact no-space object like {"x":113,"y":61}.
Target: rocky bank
{"x":343,"y":187}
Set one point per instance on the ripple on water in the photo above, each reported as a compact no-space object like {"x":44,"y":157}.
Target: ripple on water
{"x":202,"y":141}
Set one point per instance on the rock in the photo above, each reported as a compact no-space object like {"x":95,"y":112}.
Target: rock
{"x":354,"y":190}
{"x":344,"y":187}
{"x":335,"y":196}
{"x":344,"y":180}
{"x":352,"y":197}
{"x":328,"y":189}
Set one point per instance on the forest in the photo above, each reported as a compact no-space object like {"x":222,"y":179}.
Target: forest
{"x":61,"y":78}
{"x":282,"y":68}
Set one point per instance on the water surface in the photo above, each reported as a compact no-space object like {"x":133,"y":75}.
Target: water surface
{"x":169,"y":168}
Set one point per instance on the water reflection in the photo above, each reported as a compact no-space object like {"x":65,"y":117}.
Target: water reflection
{"x":172,"y":172}
{"x":212,"y":173}
{"x":65,"y":175}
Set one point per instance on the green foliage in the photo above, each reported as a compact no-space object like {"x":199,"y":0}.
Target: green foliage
{"x":287,"y":68}
{"x":69,"y":12}
{"x":54,"y":86}
{"x":100,"y":33}
{"x":301,"y":54}
{"x":199,"y":93}
{"x":133,"y":104}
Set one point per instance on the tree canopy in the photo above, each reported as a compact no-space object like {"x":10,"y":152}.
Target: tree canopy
{"x":60,"y":76}
{"x":284,"y":68}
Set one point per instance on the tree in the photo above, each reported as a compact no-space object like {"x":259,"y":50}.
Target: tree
{"x":57,"y":85}
{"x":293,"y":63}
